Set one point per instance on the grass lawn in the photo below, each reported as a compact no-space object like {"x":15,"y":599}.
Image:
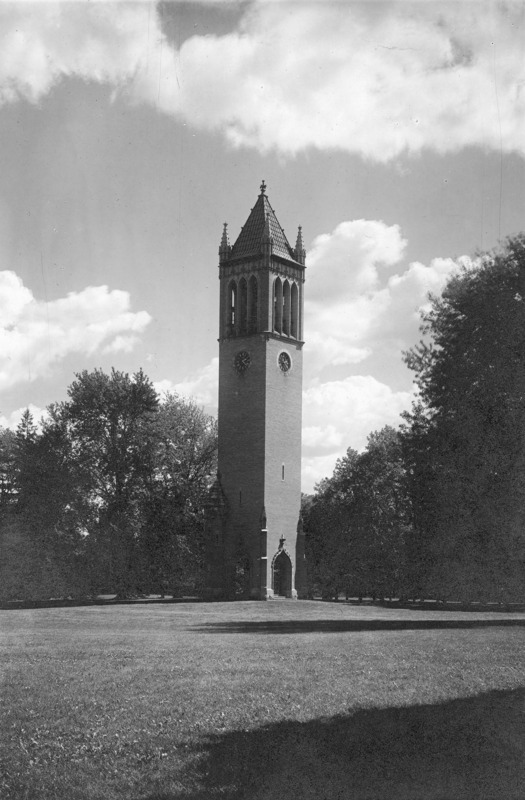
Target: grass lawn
{"x":261,"y":701}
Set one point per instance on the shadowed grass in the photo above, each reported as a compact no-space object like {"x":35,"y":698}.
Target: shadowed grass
{"x":468,"y":748}
{"x":347,"y":702}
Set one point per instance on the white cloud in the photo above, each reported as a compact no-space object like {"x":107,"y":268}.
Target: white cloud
{"x":314,"y":469}
{"x":12,"y":421}
{"x":347,"y":260}
{"x":409,"y":291}
{"x":360,"y":309}
{"x":35,"y":335}
{"x":363,"y":312}
{"x":369,"y":78}
{"x":202,"y":386}
{"x":341,"y":414}
{"x":344,"y":292}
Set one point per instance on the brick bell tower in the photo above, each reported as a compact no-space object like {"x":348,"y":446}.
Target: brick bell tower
{"x":255,"y":538}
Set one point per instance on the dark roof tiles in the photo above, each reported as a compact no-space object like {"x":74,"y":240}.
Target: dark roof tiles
{"x":250,"y":240}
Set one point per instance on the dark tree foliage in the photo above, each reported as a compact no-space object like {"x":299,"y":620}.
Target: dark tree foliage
{"x":40,"y":544}
{"x":185,"y":455}
{"x":109,"y":422}
{"x":46,"y":480}
{"x":358,"y":520}
{"x":109,"y":495}
{"x":464,"y":442}
{"x":24,"y":451}
{"x":7,"y":470}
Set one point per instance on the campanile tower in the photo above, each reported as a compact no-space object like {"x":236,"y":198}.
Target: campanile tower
{"x":255,"y":537}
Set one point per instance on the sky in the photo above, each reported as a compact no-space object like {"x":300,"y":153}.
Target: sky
{"x":393,"y":132}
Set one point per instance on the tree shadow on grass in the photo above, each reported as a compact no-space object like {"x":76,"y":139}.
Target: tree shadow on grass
{"x":465,"y":749}
{"x":350,"y":625}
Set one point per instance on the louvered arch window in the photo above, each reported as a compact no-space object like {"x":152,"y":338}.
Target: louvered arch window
{"x":294,"y":309}
{"x":278,"y":306}
{"x":253,"y":304}
{"x":232,"y":309}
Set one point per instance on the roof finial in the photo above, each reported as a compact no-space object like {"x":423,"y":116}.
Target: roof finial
{"x":263,"y":187}
{"x":299,"y":252}
{"x":224,"y":249}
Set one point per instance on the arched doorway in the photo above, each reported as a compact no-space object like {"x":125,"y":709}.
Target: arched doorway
{"x":282,"y":575}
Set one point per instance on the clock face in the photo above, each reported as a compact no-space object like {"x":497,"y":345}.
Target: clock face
{"x":242,"y":361}
{"x":285,"y":362}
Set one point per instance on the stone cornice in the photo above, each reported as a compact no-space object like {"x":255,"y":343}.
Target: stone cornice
{"x":233,"y":269}
{"x":266,"y":335}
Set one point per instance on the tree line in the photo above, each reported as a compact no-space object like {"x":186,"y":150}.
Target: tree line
{"x":436,"y":509}
{"x":108,"y":496}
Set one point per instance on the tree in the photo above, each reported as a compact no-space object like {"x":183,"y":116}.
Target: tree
{"x":326,"y":523}
{"x":358,"y":521}
{"x":184,"y":463}
{"x":109,"y":494}
{"x":109,"y":423}
{"x":465,"y":438}
{"x":24,"y":453}
{"x":7,"y":470}
{"x":381,"y":513}
{"x":40,"y":538}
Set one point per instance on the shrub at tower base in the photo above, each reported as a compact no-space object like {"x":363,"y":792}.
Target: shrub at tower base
{"x":464,"y":442}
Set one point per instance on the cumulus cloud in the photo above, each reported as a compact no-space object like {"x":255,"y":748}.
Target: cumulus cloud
{"x":374,"y":79}
{"x":341,"y":414}
{"x":35,"y":335}
{"x":367,"y":78}
{"x":357,"y":309}
{"x":43,"y":43}
{"x":354,"y":305}
{"x":354,"y":251}
{"x":344,"y":289}
{"x":202,"y":386}
{"x":15,"y":417}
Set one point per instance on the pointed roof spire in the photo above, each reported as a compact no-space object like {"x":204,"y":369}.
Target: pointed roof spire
{"x":300,"y":252}
{"x":262,"y":226}
{"x":224,"y":248}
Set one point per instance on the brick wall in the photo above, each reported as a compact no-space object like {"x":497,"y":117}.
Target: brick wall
{"x":259,"y":432}
{"x":283,"y":446}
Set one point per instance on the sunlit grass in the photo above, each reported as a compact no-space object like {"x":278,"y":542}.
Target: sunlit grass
{"x":198,"y":700}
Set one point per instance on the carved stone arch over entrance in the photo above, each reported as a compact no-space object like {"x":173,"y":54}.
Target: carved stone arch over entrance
{"x":282,"y":574}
